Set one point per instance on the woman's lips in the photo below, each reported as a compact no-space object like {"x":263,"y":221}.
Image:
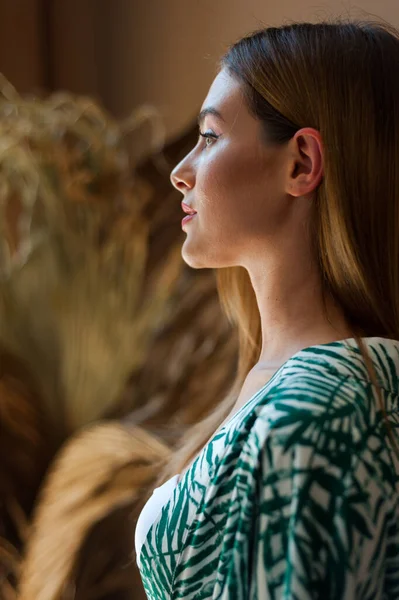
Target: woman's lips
{"x":187,"y":219}
{"x":188,"y":209}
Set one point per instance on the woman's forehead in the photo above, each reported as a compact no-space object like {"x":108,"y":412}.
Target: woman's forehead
{"x":224,"y":95}
{"x":226,"y":103}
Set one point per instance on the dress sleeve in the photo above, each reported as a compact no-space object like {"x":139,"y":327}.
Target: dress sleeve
{"x":310,"y":528}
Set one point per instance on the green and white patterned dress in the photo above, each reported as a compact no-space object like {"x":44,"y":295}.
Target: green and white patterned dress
{"x":296,"y":497}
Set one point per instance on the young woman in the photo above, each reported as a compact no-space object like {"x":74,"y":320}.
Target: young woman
{"x":290,"y":488}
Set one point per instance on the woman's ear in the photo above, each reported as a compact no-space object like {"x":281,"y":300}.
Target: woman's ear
{"x":306,"y":168}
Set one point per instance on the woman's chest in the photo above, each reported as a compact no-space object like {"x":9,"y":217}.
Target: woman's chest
{"x":181,"y":555}
{"x":164,"y":551}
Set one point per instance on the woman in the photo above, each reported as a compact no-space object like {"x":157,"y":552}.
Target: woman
{"x":294,"y":188}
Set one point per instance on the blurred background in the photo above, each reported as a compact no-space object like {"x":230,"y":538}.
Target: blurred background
{"x":129,"y":52}
{"x":111,"y":348}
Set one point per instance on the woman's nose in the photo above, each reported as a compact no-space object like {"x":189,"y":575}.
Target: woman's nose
{"x":182,"y":178}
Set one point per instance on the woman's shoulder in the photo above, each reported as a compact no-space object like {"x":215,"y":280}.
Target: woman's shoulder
{"x":309,"y":409}
{"x":331,"y":381}
{"x":314,"y":393}
{"x":323,"y":414}
{"x":343,"y":361}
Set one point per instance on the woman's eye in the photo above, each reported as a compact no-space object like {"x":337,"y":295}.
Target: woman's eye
{"x":209,"y":136}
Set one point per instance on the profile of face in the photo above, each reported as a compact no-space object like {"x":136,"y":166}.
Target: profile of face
{"x":242,"y":187}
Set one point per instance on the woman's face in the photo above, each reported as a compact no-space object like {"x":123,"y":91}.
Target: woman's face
{"x":235,"y":181}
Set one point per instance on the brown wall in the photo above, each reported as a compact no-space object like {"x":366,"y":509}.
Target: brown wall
{"x":22,"y":43}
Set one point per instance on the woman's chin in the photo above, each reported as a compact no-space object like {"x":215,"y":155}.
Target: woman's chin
{"x":199,"y":260}
{"x":192,"y":255}
{"x":193,"y":260}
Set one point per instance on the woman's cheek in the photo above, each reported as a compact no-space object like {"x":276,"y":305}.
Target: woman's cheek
{"x":219,"y":181}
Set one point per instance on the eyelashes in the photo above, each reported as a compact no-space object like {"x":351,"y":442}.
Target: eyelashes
{"x":209,"y":135}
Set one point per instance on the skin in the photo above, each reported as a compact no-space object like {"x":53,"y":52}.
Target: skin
{"x":254,"y":203}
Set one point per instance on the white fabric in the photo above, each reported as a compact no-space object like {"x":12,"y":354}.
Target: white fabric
{"x":151,"y":510}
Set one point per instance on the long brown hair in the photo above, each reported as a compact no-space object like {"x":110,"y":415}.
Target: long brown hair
{"x":341,"y":79}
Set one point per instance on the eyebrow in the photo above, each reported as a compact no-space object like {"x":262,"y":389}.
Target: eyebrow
{"x":208,"y":111}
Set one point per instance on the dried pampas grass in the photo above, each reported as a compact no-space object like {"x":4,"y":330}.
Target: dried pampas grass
{"x":74,"y":322}
{"x":78,"y":493}
{"x":102,"y":328}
